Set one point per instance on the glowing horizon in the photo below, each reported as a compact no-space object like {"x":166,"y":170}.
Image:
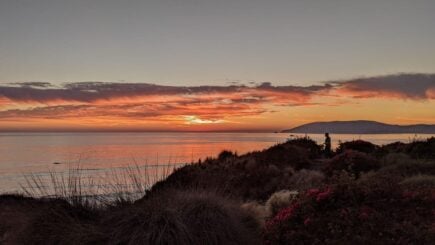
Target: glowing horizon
{"x":99,"y":106}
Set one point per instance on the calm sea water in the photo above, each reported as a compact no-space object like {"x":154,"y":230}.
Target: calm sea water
{"x":24,"y":153}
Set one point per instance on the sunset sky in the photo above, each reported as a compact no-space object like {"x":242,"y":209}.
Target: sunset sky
{"x":200,"y":65}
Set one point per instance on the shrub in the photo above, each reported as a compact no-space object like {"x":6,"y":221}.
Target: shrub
{"x":419,"y":181}
{"x":46,"y":221}
{"x":182,"y":217}
{"x":395,"y":147}
{"x":422,"y":149}
{"x":251,"y":177}
{"x":276,"y":201}
{"x":354,"y":162}
{"x":306,"y":179}
{"x":279,"y":200}
{"x":357,"y":145}
{"x":355,"y":213}
{"x":395,"y":158}
{"x":417,"y":149}
{"x":306,"y":143}
{"x":285,"y":155}
{"x":168,"y":218}
{"x":408,"y":168}
{"x":257,"y":211}
{"x":15,"y":216}
{"x":226,"y":154}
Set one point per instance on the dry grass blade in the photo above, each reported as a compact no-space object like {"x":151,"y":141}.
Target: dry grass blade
{"x":80,"y":186}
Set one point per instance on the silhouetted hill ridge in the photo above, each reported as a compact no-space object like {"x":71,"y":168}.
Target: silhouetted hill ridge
{"x":361,"y":127}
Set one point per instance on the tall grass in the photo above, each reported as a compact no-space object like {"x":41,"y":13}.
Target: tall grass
{"x":80,"y":186}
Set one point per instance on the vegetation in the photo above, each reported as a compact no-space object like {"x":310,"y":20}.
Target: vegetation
{"x":287,"y":194}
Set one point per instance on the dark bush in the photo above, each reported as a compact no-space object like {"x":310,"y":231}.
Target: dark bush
{"x":47,"y":221}
{"x":229,"y":179}
{"x":408,"y":168}
{"x":182,"y":217}
{"x":417,"y":149}
{"x":422,"y":149}
{"x":285,"y":155}
{"x":306,"y":143}
{"x":357,"y":145}
{"x":395,"y":147}
{"x":355,"y":213}
{"x":418,"y":182}
{"x":254,"y":176}
{"x":171,"y":217}
{"x":226,"y":154}
{"x":354,"y":162}
{"x":306,"y":179}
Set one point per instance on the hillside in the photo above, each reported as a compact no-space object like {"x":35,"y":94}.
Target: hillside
{"x":361,"y":127}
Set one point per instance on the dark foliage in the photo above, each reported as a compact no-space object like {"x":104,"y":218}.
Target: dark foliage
{"x":422,"y":149}
{"x":354,"y":162}
{"x":308,"y":144}
{"x":356,"y":213}
{"x":226,"y":154}
{"x":173,"y":217}
{"x":257,"y":184}
{"x":254,"y":176}
{"x":417,"y":149}
{"x":46,"y":221}
{"x":357,"y":145}
{"x":285,"y":155}
{"x":182,"y":217}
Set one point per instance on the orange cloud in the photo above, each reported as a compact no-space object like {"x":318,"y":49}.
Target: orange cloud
{"x":145,"y":100}
{"x":136,"y":105}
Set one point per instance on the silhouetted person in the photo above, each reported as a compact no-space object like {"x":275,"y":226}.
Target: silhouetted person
{"x":327,"y":145}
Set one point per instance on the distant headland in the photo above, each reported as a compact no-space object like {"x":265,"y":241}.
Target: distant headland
{"x":361,"y":127}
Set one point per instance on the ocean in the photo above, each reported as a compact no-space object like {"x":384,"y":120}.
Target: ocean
{"x":39,"y":154}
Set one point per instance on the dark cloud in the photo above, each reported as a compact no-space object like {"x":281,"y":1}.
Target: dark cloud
{"x":141,"y":100}
{"x":92,"y":91}
{"x":405,"y":86}
{"x":32,"y":84}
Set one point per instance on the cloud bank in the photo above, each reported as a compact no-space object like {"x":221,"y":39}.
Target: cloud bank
{"x":194,"y":104}
{"x":146,"y":100}
{"x":403,"y":86}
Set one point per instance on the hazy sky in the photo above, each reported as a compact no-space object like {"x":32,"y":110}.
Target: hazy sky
{"x":193,"y":42}
{"x":214,"y":65}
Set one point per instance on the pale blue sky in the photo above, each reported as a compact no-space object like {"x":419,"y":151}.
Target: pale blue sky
{"x":194,"y":42}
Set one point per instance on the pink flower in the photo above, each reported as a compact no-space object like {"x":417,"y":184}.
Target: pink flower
{"x":344,"y":212}
{"x":408,"y":194}
{"x":313,"y":192}
{"x":324,"y":195}
{"x":282,"y":215}
{"x":365,"y":212}
{"x":307,"y":221}
{"x":285,"y":213}
{"x":363,"y":215}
